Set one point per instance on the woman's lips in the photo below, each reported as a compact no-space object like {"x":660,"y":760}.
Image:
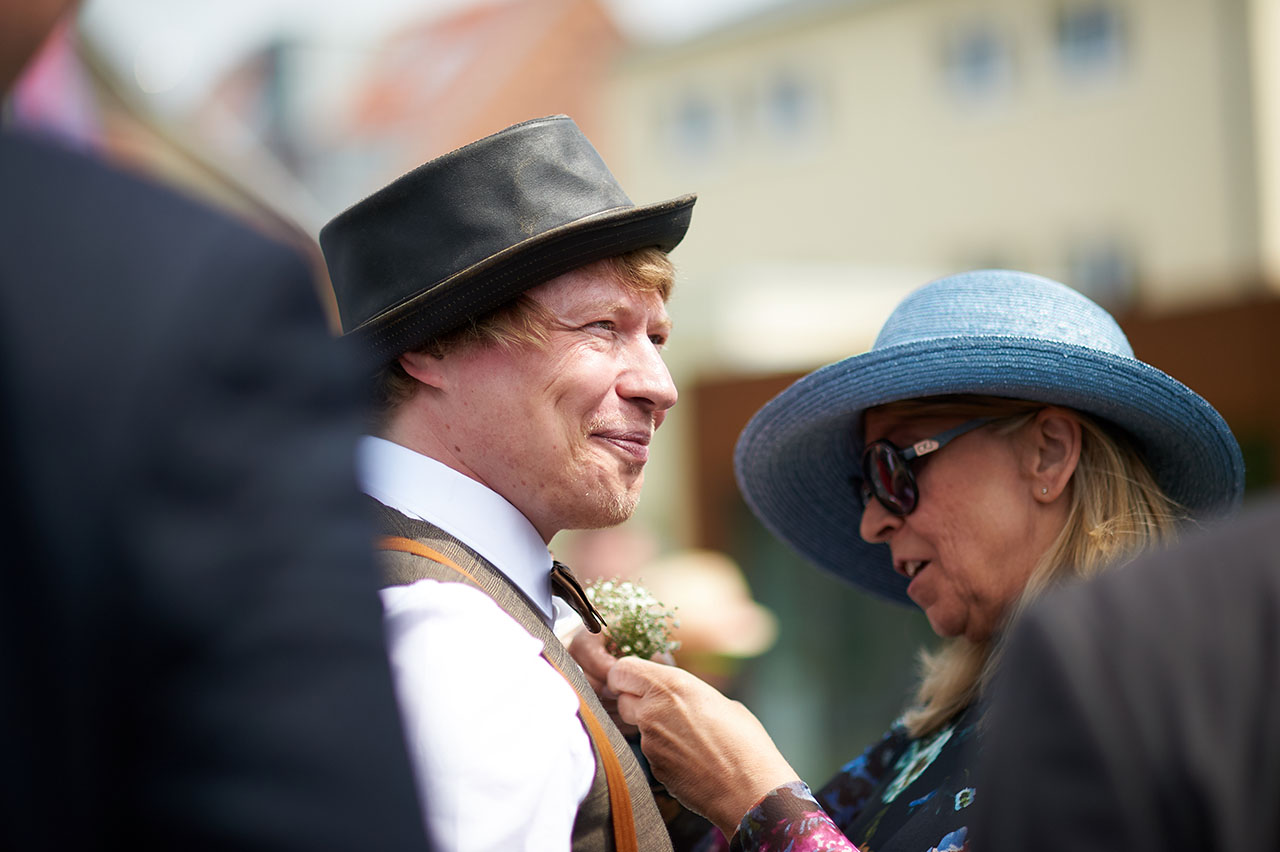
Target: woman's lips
{"x":910,"y":568}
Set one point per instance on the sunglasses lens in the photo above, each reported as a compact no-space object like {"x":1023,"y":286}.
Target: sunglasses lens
{"x":865,"y":493}
{"x":887,"y":477}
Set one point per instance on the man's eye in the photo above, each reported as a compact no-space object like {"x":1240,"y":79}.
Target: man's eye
{"x":605,"y":324}
{"x":658,"y":340}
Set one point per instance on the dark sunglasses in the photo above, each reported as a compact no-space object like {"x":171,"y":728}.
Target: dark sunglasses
{"x":886,"y":470}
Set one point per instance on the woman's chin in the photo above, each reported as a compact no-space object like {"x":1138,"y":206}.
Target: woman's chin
{"x":945,"y":624}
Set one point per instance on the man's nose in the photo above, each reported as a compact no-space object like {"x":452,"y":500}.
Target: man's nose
{"x":647,"y":379}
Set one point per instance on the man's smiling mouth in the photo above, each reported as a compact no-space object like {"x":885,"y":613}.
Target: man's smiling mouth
{"x":635,"y":443}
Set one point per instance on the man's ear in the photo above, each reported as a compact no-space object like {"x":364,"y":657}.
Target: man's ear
{"x":1054,"y":439}
{"x":425,"y":367}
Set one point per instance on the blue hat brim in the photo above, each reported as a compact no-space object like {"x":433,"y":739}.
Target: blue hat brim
{"x":795,"y":457}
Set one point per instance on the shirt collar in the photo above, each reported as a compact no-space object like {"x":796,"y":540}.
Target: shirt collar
{"x":423,"y":488}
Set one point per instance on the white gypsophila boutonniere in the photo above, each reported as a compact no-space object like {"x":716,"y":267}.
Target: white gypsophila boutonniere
{"x":638,"y":623}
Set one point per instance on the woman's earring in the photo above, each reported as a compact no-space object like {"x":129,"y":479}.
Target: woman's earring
{"x":1044,"y":490}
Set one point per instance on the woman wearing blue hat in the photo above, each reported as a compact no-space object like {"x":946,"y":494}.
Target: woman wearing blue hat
{"x":998,"y":438}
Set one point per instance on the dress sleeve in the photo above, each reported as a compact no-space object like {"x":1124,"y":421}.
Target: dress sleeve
{"x":793,"y":818}
{"x":789,"y":818}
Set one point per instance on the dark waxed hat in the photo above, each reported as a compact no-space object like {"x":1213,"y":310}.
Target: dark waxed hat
{"x":470,"y":230}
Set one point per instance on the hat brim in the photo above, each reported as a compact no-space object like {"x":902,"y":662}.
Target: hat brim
{"x":484,"y":286}
{"x":795,"y":457}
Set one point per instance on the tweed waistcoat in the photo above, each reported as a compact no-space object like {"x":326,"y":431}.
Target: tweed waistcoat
{"x":593,"y":826}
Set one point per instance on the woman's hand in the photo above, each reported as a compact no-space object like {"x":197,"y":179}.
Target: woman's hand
{"x":587,"y":649}
{"x":710,"y":752}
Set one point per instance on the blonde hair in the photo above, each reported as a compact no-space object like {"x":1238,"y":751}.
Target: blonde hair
{"x":1116,"y":511}
{"x":522,"y":322}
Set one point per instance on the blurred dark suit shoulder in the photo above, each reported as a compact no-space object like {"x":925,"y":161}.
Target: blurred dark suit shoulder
{"x":1141,"y":711}
{"x":191,"y":650}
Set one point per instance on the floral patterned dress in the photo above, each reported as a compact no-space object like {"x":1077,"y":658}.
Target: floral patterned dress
{"x":900,"y":795}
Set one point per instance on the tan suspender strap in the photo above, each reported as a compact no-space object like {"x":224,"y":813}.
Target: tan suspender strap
{"x":417,"y":548}
{"x":624,"y":824}
{"x":624,"y":829}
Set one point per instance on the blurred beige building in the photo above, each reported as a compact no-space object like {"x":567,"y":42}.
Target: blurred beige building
{"x":846,"y":151}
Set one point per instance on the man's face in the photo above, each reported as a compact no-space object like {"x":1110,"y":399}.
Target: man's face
{"x":562,"y":431}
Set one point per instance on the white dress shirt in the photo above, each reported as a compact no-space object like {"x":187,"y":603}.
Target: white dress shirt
{"x":502,"y":760}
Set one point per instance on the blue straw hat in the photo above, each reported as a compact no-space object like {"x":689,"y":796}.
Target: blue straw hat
{"x":991,"y":332}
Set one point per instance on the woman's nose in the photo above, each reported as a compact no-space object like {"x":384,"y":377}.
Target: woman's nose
{"x":877,"y":523}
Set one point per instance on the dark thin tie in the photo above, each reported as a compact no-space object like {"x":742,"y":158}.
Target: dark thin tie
{"x":566,"y":587}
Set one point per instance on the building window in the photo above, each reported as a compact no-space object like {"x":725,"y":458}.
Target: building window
{"x":789,"y":107}
{"x":977,"y":61}
{"x":694,"y":127}
{"x":1091,"y":38}
{"x":1104,"y":270}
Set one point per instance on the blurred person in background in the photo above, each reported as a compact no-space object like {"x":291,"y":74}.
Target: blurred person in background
{"x":720,"y":624}
{"x":511,"y":302}
{"x":998,"y":438}
{"x":191,"y":649}
{"x":1141,"y":711}
{"x":717,"y":621}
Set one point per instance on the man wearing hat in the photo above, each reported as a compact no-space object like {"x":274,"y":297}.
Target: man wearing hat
{"x":512,"y":299}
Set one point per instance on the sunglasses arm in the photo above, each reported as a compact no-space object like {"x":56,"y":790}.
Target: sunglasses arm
{"x":937,"y":442}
